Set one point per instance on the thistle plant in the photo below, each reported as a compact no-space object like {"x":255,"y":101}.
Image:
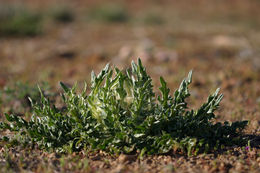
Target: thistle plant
{"x":121,"y":114}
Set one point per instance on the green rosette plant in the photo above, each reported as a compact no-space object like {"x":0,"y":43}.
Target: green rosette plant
{"x":121,"y":114}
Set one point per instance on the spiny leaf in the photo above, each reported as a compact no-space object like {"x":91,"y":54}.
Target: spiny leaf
{"x":64,"y":87}
{"x":121,"y":114}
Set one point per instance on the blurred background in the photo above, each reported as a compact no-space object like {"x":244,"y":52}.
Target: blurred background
{"x":58,"y":40}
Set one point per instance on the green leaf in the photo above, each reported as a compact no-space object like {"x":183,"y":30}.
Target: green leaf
{"x":121,"y":114}
{"x":64,"y":87}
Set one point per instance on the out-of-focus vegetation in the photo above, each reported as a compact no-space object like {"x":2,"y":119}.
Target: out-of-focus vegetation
{"x":109,"y":12}
{"x":152,"y":18}
{"x":62,"y":14}
{"x":18,"y":20}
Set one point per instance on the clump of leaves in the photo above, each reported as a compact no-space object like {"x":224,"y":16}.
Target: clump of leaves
{"x":122,"y":114}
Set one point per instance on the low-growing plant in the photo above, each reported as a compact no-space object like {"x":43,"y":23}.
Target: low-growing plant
{"x":121,"y":114}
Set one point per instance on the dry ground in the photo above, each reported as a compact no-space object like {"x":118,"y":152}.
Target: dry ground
{"x":219,"y":40}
